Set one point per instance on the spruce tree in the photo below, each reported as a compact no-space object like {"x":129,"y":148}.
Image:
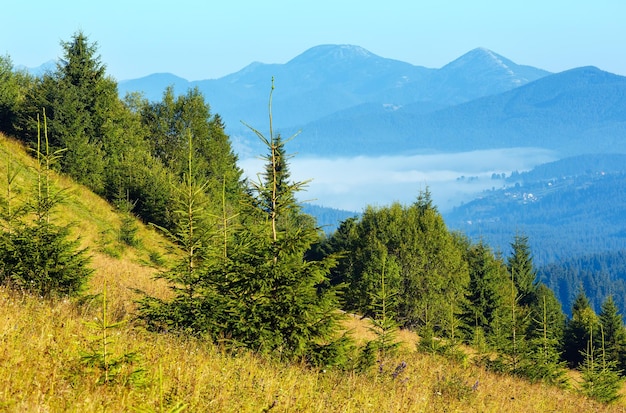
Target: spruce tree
{"x":614,"y":333}
{"x":486,"y":291}
{"x":434,"y":275}
{"x":245,"y":281}
{"x":77,"y":97}
{"x":543,"y":359}
{"x":188,"y":310}
{"x":601,"y":379}
{"x":275,"y":300}
{"x":36,"y":255}
{"x":521,"y":267}
{"x":579,"y":329}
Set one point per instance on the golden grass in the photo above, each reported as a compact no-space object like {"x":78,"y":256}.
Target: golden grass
{"x":41,"y":342}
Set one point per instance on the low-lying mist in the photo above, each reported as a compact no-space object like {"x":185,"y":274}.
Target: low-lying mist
{"x":452,"y":178}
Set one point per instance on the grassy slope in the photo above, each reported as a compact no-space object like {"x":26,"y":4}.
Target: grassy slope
{"x":41,"y":343}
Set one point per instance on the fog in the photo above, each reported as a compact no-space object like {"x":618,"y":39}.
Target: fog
{"x":452,"y":178}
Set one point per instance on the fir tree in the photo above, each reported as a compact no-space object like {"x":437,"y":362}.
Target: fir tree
{"x":614,"y":333}
{"x":77,"y":98}
{"x":187,"y":311}
{"x":37,"y":256}
{"x":543,"y":360}
{"x":274,"y":297}
{"x":488,"y":283}
{"x":579,"y":329}
{"x":520,"y":265}
{"x":601,"y":379}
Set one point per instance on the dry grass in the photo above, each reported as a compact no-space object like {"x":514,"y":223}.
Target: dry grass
{"x":41,"y":342}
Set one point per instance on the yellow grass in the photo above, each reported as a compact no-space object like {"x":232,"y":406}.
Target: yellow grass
{"x":41,"y":343}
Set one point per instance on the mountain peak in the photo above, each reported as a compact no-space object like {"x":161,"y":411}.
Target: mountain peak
{"x":481,"y":57}
{"x":333,"y":52}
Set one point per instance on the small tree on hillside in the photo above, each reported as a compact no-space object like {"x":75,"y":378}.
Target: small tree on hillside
{"x":579,"y":329}
{"x":614,"y":333}
{"x":601,"y":380}
{"x":188,"y":310}
{"x":276,"y":300}
{"x":38,"y":256}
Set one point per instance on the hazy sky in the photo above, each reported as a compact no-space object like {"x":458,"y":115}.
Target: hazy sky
{"x":209,"y":39}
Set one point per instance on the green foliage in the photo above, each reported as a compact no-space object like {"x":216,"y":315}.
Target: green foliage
{"x":187,"y":310}
{"x":38,"y":256}
{"x":601,"y":379}
{"x":520,"y":266}
{"x":128,"y":228}
{"x":77,"y":98}
{"x":543,"y":360}
{"x":40,"y":259}
{"x":277,"y":301}
{"x":579,"y":330}
{"x":487,"y":288}
{"x":13,"y":86}
{"x":614,"y":334}
{"x":245,"y":281}
{"x":109,"y":367}
{"x":168,"y":122}
{"x":426,"y":270}
{"x":383,"y":322}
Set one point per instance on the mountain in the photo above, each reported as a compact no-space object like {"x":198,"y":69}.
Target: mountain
{"x":328,"y":79}
{"x":571,"y":207}
{"x":573,"y":212}
{"x":48,"y":66}
{"x":477,"y":73}
{"x":153,"y":85}
{"x":563,"y":112}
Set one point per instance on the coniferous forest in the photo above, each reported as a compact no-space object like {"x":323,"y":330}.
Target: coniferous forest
{"x":248,"y":270}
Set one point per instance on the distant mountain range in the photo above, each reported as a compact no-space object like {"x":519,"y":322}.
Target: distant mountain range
{"x":348,"y":101}
{"x":325,"y":81}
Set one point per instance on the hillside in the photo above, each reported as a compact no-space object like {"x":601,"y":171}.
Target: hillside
{"x":561,"y":112}
{"x":570,"y":207}
{"x":572,"y":210}
{"x":43,"y":342}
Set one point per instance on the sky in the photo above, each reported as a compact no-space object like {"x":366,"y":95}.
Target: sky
{"x":200,"y":40}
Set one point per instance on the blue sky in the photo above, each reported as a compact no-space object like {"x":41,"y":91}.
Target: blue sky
{"x":209,"y":39}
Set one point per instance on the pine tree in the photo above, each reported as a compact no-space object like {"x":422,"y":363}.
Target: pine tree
{"x":520,"y":266}
{"x":274,"y":297}
{"x":578,"y":330}
{"x":36,"y":255}
{"x":488,"y":283}
{"x":614,"y":333}
{"x":601,"y":379}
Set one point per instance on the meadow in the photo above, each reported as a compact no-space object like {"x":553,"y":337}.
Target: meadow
{"x":46,"y":345}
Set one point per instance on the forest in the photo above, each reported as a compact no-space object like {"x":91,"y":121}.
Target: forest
{"x":251,"y":270}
